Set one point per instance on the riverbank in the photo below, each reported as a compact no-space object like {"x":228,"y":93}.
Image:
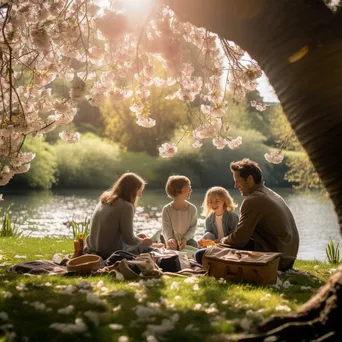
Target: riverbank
{"x":100,"y":308}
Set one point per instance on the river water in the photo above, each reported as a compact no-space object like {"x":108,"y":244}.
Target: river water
{"x":46,"y":214}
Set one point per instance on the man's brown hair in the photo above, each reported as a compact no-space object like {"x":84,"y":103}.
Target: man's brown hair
{"x":247,"y":167}
{"x":175,"y":184}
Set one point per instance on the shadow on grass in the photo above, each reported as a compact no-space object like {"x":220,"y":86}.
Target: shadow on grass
{"x":302,"y":286}
{"x":32,"y":304}
{"x":220,"y":303}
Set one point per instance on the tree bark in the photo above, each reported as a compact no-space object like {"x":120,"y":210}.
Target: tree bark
{"x":310,"y":91}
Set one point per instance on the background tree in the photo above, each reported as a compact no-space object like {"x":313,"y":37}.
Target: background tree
{"x":120,"y":123}
{"x":301,"y":172}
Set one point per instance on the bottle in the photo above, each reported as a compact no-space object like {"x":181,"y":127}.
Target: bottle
{"x":81,"y":242}
{"x":76,"y":249}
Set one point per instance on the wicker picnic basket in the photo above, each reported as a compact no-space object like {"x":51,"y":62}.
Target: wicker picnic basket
{"x":239,"y":265}
{"x":85,"y":264}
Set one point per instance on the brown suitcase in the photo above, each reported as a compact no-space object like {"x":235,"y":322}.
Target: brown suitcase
{"x":221,"y":261}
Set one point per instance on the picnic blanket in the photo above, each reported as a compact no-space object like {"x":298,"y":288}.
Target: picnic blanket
{"x":143,"y":265}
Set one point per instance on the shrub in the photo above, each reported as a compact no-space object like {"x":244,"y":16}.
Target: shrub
{"x":301,"y":172}
{"x":91,"y":163}
{"x":208,"y":166}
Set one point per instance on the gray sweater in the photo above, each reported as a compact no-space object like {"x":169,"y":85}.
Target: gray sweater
{"x":110,"y":226}
{"x":266,"y":218}
{"x":179,"y":224}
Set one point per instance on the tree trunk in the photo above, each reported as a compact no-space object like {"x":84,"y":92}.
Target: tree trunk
{"x":310,"y":91}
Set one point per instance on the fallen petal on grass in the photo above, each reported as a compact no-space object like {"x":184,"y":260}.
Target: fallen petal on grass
{"x":191,"y":327}
{"x":67,"y":310}
{"x":283,"y":308}
{"x":66,"y":328}
{"x":191,"y":280}
{"x":117,"y":308}
{"x":3,"y":316}
{"x":245,"y":324}
{"x":93,"y":299}
{"x":115,"y":326}
{"x":38,"y":306}
{"x":93,"y":317}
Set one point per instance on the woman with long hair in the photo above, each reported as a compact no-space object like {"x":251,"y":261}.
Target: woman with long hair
{"x":112,"y":221}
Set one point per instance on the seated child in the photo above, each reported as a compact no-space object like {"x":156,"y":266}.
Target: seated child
{"x":218,"y":207}
{"x":179,"y":218}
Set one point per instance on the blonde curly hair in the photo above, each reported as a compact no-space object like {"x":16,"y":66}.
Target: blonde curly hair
{"x":228,"y":202}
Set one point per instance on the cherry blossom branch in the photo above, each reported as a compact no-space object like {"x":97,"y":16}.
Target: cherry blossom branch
{"x":85,"y":46}
{"x":147,"y":20}
{"x":10,"y":70}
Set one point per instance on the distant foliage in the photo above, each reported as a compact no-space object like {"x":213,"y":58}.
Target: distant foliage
{"x":281,"y":130}
{"x":43,"y":172}
{"x":208,"y":166}
{"x":301,"y":172}
{"x":97,"y":163}
{"x":244,"y":116}
{"x":91,"y":163}
{"x":143,"y":164}
{"x":121,"y":127}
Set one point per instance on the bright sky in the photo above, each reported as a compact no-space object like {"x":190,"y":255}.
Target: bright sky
{"x":266,"y":90}
{"x":130,"y":5}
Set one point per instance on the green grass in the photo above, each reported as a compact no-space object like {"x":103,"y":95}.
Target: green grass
{"x":202,"y":310}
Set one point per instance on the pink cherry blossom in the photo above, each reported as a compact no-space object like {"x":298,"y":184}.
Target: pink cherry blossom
{"x":167,"y":150}
{"x":70,"y":137}
{"x":219,"y":143}
{"x":275,"y":157}
{"x":112,"y":25}
{"x":40,"y":38}
{"x":22,"y":168}
{"x":197,"y":144}
{"x":145,"y":122}
{"x":209,"y":130}
{"x":258,"y":105}
{"x":137,"y":108}
{"x":119,"y":94}
{"x":235,"y":143}
{"x":48,"y":39}
{"x":25,"y":157}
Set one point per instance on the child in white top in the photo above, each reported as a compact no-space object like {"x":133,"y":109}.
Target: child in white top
{"x":218,"y":207}
{"x":179,"y":218}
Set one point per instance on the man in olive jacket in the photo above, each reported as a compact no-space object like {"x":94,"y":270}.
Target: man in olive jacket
{"x":266,"y":222}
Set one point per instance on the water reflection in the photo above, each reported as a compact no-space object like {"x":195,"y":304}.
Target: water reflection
{"x":43,"y":214}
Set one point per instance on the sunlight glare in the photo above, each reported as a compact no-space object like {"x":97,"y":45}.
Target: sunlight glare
{"x":129,"y":6}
